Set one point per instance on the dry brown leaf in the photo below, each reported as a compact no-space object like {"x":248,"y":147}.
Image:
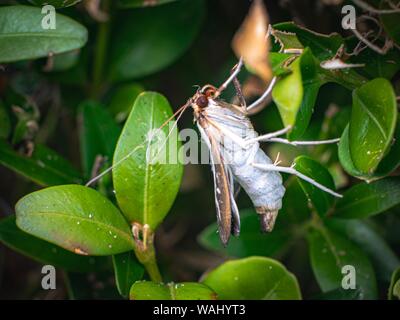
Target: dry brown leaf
{"x":251,"y":41}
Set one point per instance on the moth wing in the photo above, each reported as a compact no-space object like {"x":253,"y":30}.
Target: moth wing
{"x":222,"y":187}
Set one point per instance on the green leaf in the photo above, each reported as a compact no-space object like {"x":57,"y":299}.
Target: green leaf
{"x":367,"y":199}
{"x":43,"y":251}
{"x":344,"y":155}
{"x":76,"y":218}
{"x":372,"y":124}
{"x":55,"y":3}
{"x":391,"y":160}
{"x":254,"y":278}
{"x":251,"y":240}
{"x":99,"y":134}
{"x":22,"y":36}
{"x":322,"y":46}
{"x":145,"y":190}
{"x":65,"y":61}
{"x":321,"y":200}
{"x":127,"y":271}
{"x":141,"y":3}
{"x":45,"y":167}
{"x":329,"y":253}
{"x":148,"y":40}
{"x":361,"y":233}
{"x":278,"y":62}
{"x":394,"y":288}
{"x":148,"y":290}
{"x":288,"y":94}
{"x":122,"y":101}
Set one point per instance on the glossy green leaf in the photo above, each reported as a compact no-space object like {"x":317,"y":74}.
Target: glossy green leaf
{"x":391,"y":161}
{"x":372,"y":124}
{"x":394,"y":288}
{"x":65,"y":61}
{"x":148,"y":290}
{"x":43,"y":251}
{"x":148,"y":40}
{"x":98,"y":134}
{"x":288,"y":94}
{"x":55,"y":3}
{"x":320,"y":200}
{"x":123,"y":99}
{"x":45,"y":167}
{"x":322,"y":46}
{"x":361,"y":233}
{"x":127,"y":271}
{"x":254,"y":278}
{"x":278,"y":62}
{"x":22,"y":36}
{"x":330,"y":252}
{"x":367,"y":199}
{"x":76,"y":218}
{"x":141,"y":3}
{"x":344,"y":155}
{"x":147,"y":182}
{"x":251,"y":240}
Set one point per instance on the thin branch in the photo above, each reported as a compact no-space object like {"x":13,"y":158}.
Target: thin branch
{"x":368,"y":7}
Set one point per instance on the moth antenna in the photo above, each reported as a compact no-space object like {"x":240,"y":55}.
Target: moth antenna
{"x":179,"y":111}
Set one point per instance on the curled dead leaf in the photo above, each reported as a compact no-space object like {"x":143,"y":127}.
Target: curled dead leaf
{"x":252,"y":43}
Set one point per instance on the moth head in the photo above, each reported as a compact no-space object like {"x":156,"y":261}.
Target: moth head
{"x":203,"y":95}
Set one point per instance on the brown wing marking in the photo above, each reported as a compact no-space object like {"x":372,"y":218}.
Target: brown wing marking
{"x":221,"y":189}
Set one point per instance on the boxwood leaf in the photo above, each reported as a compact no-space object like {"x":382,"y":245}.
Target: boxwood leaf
{"x":288,"y":94}
{"x":321,"y":200}
{"x":148,"y":290}
{"x":123,"y":99}
{"x":76,"y":218}
{"x":127,"y":271}
{"x":145,"y":190}
{"x":22,"y":36}
{"x":394,"y":288}
{"x":367,"y":199}
{"x":254,"y":278}
{"x":361,"y":233}
{"x":45,"y":167}
{"x":372,"y":124}
{"x":322,"y":46}
{"x":43,"y":251}
{"x":330,"y":252}
{"x":157,"y":39}
{"x":98,"y":134}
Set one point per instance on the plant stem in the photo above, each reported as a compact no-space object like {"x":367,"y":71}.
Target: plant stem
{"x":145,"y":251}
{"x":101,"y":50}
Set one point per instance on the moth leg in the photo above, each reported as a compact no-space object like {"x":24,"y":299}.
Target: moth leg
{"x":236,"y":70}
{"x":292,"y":170}
{"x":263,"y":99}
{"x":268,"y":136}
{"x":239,"y":94}
{"x":302,"y":143}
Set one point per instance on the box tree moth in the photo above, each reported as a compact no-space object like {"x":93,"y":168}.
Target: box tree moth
{"x":236,"y":157}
